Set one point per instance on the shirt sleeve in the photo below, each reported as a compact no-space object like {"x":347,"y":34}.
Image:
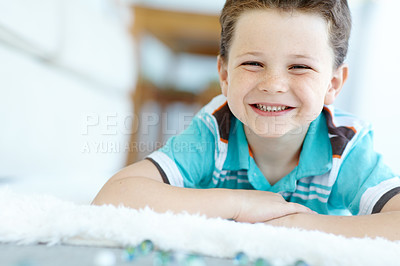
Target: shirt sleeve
{"x":187,"y":160}
{"x":364,"y":183}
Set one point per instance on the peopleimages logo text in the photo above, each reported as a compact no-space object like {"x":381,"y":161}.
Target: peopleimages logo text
{"x":114,"y":123}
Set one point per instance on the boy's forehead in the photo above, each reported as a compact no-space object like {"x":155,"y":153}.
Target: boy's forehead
{"x":277,"y":19}
{"x":301,"y":34}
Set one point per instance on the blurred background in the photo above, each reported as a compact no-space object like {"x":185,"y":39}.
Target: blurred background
{"x":87,"y":87}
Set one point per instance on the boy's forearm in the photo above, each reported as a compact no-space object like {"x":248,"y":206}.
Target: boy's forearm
{"x":384,"y":225}
{"x":138,"y":192}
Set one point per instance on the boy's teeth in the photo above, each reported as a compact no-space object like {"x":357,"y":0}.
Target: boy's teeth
{"x":266,"y":108}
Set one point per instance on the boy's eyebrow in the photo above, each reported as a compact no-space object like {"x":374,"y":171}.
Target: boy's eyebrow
{"x":250,"y":53}
{"x":301,"y":56}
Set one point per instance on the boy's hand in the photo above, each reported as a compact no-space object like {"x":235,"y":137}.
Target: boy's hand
{"x":255,"y":206}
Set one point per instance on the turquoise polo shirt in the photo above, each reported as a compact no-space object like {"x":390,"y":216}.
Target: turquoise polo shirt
{"x":316,"y":143}
{"x":338,"y":171}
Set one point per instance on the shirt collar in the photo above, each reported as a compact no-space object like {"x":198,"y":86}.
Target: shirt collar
{"x":238,"y":147}
{"x":316,"y":153}
{"x":315,"y":156}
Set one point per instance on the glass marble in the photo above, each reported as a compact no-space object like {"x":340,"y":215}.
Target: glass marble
{"x":194,"y":260}
{"x":262,"y":262}
{"x":163,"y":258}
{"x":241,"y":259}
{"x":146,"y":247}
{"x":130,"y":254}
{"x":301,"y":263}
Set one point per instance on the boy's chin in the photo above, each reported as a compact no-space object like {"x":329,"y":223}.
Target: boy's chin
{"x":274,"y":135}
{"x":279,"y":132}
{"x":266,"y":133}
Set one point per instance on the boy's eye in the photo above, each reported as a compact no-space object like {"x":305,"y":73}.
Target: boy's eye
{"x":252,"y":63}
{"x":299,"y":67}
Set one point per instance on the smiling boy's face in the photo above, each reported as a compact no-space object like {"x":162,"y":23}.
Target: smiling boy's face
{"x":279,"y":72}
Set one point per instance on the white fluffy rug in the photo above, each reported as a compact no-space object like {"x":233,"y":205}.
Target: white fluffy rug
{"x":32,"y":219}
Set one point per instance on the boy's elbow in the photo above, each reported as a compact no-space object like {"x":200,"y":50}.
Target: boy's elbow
{"x":123,"y":191}
{"x":110,"y":193}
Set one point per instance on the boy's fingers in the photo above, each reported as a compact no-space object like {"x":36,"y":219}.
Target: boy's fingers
{"x":296,"y":208}
{"x":290,"y":208}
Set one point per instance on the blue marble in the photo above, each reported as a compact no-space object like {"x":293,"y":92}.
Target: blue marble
{"x":241,"y":259}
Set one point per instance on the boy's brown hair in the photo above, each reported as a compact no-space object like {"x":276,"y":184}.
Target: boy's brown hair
{"x":335,"y":12}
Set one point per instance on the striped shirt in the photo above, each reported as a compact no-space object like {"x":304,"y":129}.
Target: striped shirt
{"x":338,"y":172}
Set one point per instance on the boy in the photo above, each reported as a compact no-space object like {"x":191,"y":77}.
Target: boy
{"x":272,"y":148}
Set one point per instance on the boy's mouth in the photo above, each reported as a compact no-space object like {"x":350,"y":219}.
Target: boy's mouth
{"x":271,"y":108}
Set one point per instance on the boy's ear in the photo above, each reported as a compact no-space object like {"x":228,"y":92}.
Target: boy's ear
{"x":223,"y":75}
{"x":338,"y":79}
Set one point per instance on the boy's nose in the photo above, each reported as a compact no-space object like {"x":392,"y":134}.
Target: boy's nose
{"x":273,"y":84}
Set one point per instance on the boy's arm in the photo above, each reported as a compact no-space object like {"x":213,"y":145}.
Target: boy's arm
{"x":384,"y":224}
{"x":141,"y":185}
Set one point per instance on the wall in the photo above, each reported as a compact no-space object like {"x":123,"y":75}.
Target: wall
{"x":67,"y":68}
{"x":373,"y":90}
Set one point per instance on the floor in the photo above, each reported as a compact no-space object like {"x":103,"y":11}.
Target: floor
{"x":61,"y":255}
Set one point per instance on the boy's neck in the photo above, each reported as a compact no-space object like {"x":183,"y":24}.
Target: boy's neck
{"x":276,"y":157}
